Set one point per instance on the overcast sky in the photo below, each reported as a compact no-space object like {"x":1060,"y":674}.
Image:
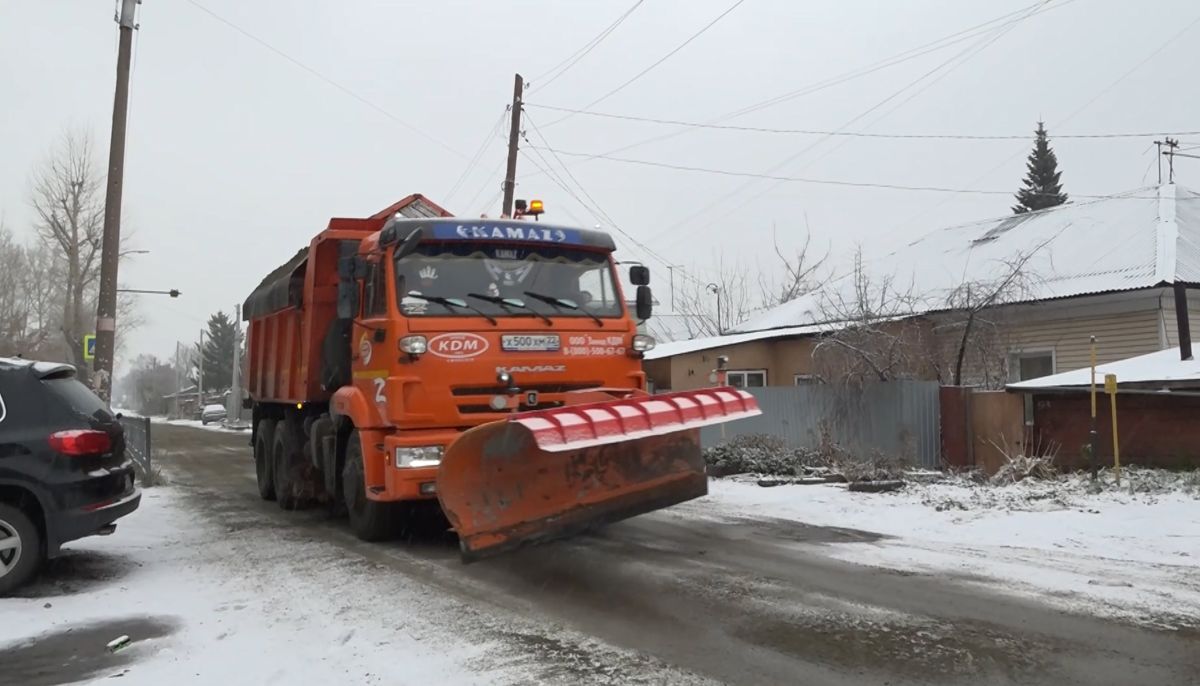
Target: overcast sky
{"x":237,"y":156}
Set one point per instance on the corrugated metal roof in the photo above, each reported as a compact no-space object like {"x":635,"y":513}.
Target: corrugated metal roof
{"x":1163,"y":366}
{"x":1129,"y":241}
{"x":710,"y":342}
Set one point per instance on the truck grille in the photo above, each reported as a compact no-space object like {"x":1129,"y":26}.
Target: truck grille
{"x":474,"y":408}
{"x":540,"y":388}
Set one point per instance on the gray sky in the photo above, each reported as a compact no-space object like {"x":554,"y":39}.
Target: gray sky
{"x":237,"y":156}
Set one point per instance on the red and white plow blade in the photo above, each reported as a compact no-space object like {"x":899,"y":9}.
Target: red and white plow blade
{"x":551,"y":473}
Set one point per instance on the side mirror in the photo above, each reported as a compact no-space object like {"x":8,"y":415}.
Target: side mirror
{"x":639,"y":275}
{"x":408,"y":245}
{"x":347,"y":299}
{"x":645,"y":302}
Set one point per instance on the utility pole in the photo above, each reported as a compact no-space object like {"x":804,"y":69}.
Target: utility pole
{"x":716,"y":290}
{"x":233,"y":410}
{"x":178,"y":380}
{"x":514,"y":132}
{"x":200,"y":378}
{"x":106,"y":306}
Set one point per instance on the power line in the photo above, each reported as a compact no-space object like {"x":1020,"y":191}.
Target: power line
{"x":861,"y":134}
{"x":466,"y":172}
{"x":660,"y":60}
{"x":579,"y":54}
{"x":1079,"y":110}
{"x":598,"y":212}
{"x":899,"y":58}
{"x":793,"y":179}
{"x":326,"y":79}
{"x":944,"y":67}
{"x":491,"y":176}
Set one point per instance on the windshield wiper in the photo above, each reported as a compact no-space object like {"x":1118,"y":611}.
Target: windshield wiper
{"x":509,"y":303}
{"x":563,"y":304}
{"x":453,"y":302}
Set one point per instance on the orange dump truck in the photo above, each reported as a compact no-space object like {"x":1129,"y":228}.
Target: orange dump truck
{"x":491,"y":364}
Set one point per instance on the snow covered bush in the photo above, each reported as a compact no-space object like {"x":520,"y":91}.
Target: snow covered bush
{"x":757,"y":454}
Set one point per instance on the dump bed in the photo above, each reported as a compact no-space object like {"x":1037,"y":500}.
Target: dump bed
{"x":290,"y":314}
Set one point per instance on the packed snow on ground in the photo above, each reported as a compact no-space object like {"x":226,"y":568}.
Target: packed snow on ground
{"x":1129,"y":551}
{"x":307,"y":616}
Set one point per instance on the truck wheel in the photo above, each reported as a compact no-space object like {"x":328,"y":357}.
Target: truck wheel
{"x":20,"y":548}
{"x":369,"y":519}
{"x":284,"y":455}
{"x":264,"y":470}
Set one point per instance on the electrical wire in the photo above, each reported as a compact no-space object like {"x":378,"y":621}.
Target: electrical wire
{"x":488,"y":179}
{"x":861,"y":134}
{"x":936,"y":73}
{"x":792,"y":179}
{"x":659,"y":61}
{"x":429,"y":137}
{"x":579,"y":54}
{"x":471,"y":165}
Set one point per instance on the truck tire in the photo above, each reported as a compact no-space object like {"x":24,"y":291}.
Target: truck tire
{"x":285,"y":454}
{"x":21,"y":548}
{"x":264,"y":470}
{"x":369,"y":519}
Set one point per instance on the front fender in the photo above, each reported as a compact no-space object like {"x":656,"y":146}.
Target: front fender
{"x":350,"y":401}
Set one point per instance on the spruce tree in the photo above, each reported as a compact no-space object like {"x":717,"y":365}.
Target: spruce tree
{"x":1042,"y":188}
{"x":219,"y":342}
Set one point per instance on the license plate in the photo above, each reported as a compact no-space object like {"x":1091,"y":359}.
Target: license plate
{"x":529,"y":342}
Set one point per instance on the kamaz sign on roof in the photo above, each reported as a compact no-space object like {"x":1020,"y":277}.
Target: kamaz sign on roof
{"x":505,"y":232}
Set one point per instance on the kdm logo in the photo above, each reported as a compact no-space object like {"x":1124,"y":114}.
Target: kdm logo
{"x":458,"y":346}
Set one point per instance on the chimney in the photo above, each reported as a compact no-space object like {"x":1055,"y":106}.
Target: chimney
{"x":1181,"y":322}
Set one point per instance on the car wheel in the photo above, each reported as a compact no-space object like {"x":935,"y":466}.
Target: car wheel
{"x":203,"y":422}
{"x":264,"y":472}
{"x":370,"y":520}
{"x":20,"y":549}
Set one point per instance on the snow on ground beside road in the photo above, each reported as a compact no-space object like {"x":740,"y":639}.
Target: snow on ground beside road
{"x":1116,"y":553}
{"x":315,"y":618}
{"x":197,"y":424}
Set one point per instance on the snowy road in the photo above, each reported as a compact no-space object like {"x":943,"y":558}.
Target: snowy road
{"x":218,"y":586}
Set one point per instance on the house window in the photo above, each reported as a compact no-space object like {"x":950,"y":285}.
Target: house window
{"x":1030,"y":364}
{"x":746,"y":378}
{"x":803,"y":379}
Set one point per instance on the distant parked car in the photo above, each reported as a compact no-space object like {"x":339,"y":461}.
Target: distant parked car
{"x":64,"y":474}
{"x":212,"y":413}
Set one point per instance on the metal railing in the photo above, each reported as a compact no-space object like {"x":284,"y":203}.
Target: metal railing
{"x":137,"y":441}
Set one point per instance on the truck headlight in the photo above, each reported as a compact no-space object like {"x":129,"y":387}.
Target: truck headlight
{"x":414,"y":345}
{"x":419,"y":456}
{"x":641,"y":343}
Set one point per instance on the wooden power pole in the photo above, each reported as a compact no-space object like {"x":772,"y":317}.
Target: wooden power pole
{"x":106,"y":307}
{"x":514,"y":133}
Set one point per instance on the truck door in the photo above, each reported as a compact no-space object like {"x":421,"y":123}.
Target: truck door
{"x":372,"y":334}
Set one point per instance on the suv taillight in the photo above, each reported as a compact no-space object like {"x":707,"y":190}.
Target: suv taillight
{"x":80,"y":442}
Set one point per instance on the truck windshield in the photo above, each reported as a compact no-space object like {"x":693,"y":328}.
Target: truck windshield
{"x":502,"y":272}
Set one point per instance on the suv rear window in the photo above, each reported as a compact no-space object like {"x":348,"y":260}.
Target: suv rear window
{"x":78,"y":397}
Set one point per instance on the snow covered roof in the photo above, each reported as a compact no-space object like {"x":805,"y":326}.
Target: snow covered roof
{"x":709,"y":342}
{"x":1163,"y":366}
{"x":1139,"y":239}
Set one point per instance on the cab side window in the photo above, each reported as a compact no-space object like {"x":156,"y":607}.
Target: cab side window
{"x":375,"y":290}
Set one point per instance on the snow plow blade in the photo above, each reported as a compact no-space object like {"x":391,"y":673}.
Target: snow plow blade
{"x":549,"y":474}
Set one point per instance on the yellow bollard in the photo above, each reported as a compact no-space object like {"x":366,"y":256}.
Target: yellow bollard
{"x":1110,"y":387}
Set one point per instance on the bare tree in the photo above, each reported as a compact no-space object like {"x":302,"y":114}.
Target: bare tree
{"x":698,"y":299}
{"x":875,"y":335}
{"x":14,"y":307}
{"x":802,"y":273}
{"x":67,"y":197}
{"x":976,"y":306}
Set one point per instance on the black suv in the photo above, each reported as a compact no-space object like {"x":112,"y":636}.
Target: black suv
{"x":63,"y":470}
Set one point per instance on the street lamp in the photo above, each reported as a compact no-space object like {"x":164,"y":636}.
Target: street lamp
{"x":174,"y":293}
{"x":716,"y":290}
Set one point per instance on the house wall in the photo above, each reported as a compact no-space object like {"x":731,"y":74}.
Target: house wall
{"x":1124,"y":324}
{"x":781,"y":358}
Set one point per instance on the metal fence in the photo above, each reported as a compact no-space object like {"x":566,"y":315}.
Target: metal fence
{"x":899,"y":418}
{"x":137,"y":441}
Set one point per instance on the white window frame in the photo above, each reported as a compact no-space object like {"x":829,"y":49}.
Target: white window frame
{"x":743,"y":373}
{"x":803,"y":379}
{"x":1017,"y":354}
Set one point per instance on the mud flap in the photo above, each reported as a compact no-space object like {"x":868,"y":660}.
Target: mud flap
{"x":553,"y":473}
